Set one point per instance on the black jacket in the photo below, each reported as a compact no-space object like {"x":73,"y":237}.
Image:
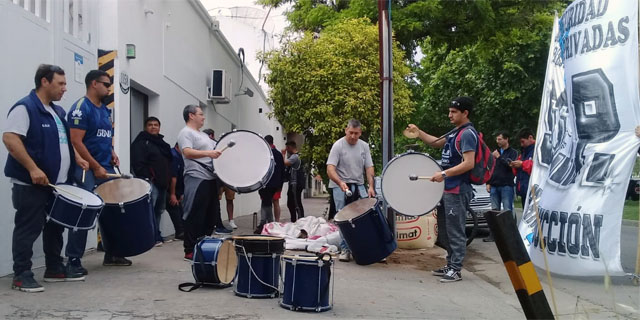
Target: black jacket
{"x":503,"y":174}
{"x":151,"y":159}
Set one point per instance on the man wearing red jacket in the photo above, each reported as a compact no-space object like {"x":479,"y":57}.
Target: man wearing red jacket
{"x":524,"y":164}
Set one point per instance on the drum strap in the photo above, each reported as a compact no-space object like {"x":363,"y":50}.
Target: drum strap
{"x":355,"y":195}
{"x":203,"y":165}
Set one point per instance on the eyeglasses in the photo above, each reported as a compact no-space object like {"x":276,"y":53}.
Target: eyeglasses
{"x":105,"y":83}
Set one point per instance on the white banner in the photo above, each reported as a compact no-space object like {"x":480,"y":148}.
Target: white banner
{"x":585,"y":145}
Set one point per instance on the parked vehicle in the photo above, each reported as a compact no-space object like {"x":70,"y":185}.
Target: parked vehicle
{"x":633,"y":191}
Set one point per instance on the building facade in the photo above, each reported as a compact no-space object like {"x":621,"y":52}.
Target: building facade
{"x":177,"y":45}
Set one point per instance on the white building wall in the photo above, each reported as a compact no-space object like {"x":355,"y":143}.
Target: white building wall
{"x":35,"y":32}
{"x":176,"y":49}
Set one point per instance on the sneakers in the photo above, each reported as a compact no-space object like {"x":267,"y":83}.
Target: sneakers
{"x":26,"y":283}
{"x":488,"y":239}
{"x":452,"y":275}
{"x":67,"y":273}
{"x":345,"y":256}
{"x":440,"y":272}
{"x":116,"y":261}
{"x":179,"y":236}
{"x":159,"y":243}
{"x":222,"y":230}
{"x":77,"y":267}
{"x":188,"y":256}
{"x":232,"y":224}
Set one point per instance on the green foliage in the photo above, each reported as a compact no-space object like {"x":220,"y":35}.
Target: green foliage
{"x":320,"y":82}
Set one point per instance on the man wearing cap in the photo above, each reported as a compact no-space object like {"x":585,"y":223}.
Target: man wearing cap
{"x":458,"y":155}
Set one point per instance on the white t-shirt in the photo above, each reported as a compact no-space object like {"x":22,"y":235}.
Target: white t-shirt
{"x":194,"y":139}
{"x":18,"y":123}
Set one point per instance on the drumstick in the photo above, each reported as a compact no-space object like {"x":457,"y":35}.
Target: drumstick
{"x":348,"y":193}
{"x":414,"y":177}
{"x":65,"y":191}
{"x":83,"y":172}
{"x":229,"y":145}
{"x":116,"y":175}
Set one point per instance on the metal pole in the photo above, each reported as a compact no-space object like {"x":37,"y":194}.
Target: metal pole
{"x":386,"y":91}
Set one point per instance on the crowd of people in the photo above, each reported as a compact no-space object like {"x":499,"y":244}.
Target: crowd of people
{"x":49,"y":146}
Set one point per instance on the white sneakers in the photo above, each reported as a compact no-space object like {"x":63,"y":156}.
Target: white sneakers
{"x":345,"y":256}
{"x":233,"y":224}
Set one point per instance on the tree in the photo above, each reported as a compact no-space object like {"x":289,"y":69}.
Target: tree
{"x":494,"y":51}
{"x":320,"y":81}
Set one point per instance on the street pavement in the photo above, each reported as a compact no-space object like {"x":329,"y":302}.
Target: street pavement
{"x":402,"y":288}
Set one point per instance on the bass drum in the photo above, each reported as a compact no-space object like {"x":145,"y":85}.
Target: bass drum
{"x":246,"y":166}
{"x":411,"y":197}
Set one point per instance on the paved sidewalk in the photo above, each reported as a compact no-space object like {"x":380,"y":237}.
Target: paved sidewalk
{"x":149,"y":290}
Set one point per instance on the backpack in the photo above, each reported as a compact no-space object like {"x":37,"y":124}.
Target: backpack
{"x":484,"y":162}
{"x":300,"y":175}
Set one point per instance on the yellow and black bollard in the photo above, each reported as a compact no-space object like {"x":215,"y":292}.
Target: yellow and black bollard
{"x":519,"y":267}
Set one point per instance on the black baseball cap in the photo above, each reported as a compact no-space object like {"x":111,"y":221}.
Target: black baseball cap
{"x":462,"y":104}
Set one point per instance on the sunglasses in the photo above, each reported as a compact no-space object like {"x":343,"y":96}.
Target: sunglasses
{"x":106,"y":84}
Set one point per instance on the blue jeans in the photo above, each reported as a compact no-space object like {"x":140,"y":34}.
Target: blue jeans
{"x":339,"y":199}
{"x":455,"y":214}
{"x":77,"y":240}
{"x":159,"y":200}
{"x":502,"y":198}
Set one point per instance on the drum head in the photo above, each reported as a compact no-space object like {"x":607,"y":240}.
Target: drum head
{"x":123,"y":190}
{"x":355,"y":209}
{"x":248,"y":163}
{"x":227,"y":262}
{"x":78,"y":195}
{"x":411,"y":198}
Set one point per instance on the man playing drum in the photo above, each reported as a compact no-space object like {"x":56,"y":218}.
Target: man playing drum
{"x":200,"y":184}
{"x":457,"y":161}
{"x":36,"y":136}
{"x":91,"y":135}
{"x":348,"y":159}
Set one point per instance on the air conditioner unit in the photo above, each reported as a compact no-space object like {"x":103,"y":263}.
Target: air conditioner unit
{"x":220,"y":89}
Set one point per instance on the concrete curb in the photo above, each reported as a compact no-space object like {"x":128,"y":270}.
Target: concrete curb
{"x":631,"y":223}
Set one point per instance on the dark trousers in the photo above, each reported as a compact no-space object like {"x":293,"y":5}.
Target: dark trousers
{"x":266,"y":204}
{"x":175,"y":213}
{"x":77,"y":240}
{"x":294,"y":202}
{"x":205,"y":208}
{"x":31,"y":204}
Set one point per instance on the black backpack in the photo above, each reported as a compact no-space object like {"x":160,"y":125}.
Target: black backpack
{"x":300,"y":175}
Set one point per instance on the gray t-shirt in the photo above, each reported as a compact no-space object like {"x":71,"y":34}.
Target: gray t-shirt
{"x":294,"y":159}
{"x":350,"y":161}
{"x":197,"y":168}
{"x":18,"y":123}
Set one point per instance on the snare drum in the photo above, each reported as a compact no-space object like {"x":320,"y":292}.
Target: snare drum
{"x":248,"y":165}
{"x":75,"y":208}
{"x":411,"y":197}
{"x":214,"y":261}
{"x":366,"y":231}
{"x":258,"y":266}
{"x":126,"y":223}
{"x":307,"y":283}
